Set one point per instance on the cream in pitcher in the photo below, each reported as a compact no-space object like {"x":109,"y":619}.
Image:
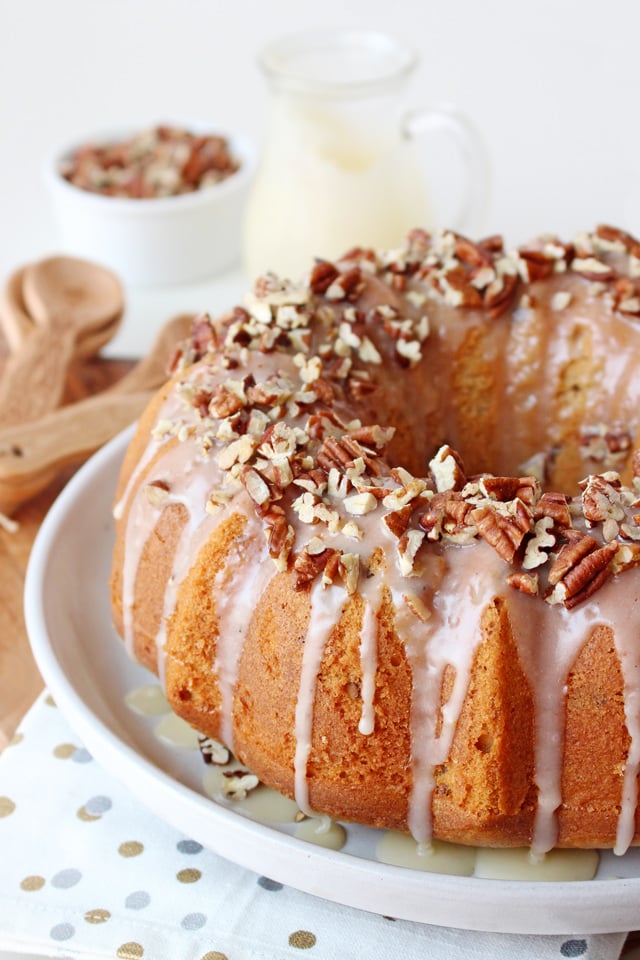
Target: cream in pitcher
{"x":340,"y":165}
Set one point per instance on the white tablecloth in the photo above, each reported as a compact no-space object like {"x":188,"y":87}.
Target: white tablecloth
{"x":86,"y":872}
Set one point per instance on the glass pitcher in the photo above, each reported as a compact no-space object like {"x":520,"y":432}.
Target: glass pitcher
{"x":340,"y":166}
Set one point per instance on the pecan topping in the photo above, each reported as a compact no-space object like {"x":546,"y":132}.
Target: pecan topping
{"x":601,"y":498}
{"x":307,"y":566}
{"x":528,"y":583}
{"x":447,"y":470}
{"x":585,"y":577}
{"x":322,"y":276}
{"x":504,"y":533}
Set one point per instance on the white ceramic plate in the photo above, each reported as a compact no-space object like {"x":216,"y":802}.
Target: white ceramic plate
{"x":88,"y":673}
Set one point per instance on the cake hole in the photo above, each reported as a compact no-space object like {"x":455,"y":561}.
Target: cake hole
{"x":484,"y":743}
{"x":184,"y":695}
{"x":353,"y":691}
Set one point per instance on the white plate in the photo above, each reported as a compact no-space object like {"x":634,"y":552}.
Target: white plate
{"x":88,"y":673}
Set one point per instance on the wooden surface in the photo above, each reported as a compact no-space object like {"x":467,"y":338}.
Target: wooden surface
{"x":20,"y":681}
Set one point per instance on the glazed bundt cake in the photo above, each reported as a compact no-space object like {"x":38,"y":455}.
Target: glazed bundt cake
{"x":380,"y":535}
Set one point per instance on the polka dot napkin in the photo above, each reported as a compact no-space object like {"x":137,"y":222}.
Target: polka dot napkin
{"x":86,"y":872}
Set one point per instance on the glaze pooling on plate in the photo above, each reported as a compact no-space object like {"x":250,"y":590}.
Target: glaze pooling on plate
{"x":74,"y":647}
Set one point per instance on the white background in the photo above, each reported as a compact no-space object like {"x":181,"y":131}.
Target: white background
{"x":553,"y":86}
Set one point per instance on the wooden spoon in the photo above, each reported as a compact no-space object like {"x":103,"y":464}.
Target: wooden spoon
{"x":17,"y":324}
{"x":67,"y":298}
{"x":32,"y":455}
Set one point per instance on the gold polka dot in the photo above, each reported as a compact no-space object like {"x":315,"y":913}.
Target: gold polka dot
{"x":32,"y":883}
{"x":130,"y":849}
{"x":7,"y":806}
{"x":64,"y":750}
{"x":214,"y":955}
{"x":50,"y":702}
{"x":97,"y":916}
{"x":303,"y":939}
{"x":17,"y":738}
{"x":82,"y":814}
{"x":189,"y":875}
{"x":130,"y":951}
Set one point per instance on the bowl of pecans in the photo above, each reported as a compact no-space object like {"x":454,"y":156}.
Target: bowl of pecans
{"x":162,"y":205}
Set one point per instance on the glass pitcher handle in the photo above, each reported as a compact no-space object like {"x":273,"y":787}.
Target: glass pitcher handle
{"x":470,"y":217}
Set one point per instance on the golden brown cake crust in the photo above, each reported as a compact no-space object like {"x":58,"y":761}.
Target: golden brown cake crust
{"x":445,"y":655}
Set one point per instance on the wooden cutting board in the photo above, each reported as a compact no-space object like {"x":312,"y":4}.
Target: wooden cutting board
{"x":20,"y":681}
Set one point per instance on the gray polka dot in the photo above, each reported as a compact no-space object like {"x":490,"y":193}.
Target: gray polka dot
{"x":81,"y":755}
{"x":268,"y":884}
{"x":62,"y":931}
{"x":138,"y":900}
{"x":573,"y":948}
{"x":189,"y":846}
{"x":97,"y":805}
{"x":66,"y":878}
{"x":193,"y":921}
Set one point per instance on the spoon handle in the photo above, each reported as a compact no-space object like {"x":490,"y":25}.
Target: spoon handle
{"x":33,"y":380}
{"x":32,"y":454}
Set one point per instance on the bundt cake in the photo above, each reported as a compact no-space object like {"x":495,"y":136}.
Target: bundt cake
{"x":380,"y":535}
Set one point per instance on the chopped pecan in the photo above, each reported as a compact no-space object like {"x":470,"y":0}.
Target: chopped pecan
{"x":398,"y":520}
{"x":203,"y":334}
{"x":541,"y":541}
{"x":510,"y":488}
{"x":500,"y":294}
{"x":256,"y":486}
{"x":601,"y":498}
{"x":614,"y":236}
{"x":528,"y":583}
{"x":346,"y":286}
{"x":322,"y":276}
{"x":447,"y":469}
{"x":539,"y":265}
{"x":307,"y":566}
{"x":447,"y":512}
{"x":373,"y":436}
{"x":280,"y":536}
{"x":554,"y":505}
{"x":492,"y":244}
{"x":592,"y":268}
{"x":333,"y":454}
{"x":605,"y":444}
{"x":349,"y":569}
{"x":474,"y":254}
{"x":458,"y":290}
{"x":157,"y":492}
{"x":408,"y":546}
{"x":504,"y":533}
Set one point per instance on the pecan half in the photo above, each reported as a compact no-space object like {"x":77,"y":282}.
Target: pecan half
{"x":570,"y":555}
{"x":504,"y":533}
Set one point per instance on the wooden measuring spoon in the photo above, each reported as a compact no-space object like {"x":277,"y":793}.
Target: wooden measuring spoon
{"x":32,"y":455}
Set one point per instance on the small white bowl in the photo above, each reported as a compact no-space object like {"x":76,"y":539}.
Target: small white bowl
{"x":153,"y":242}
